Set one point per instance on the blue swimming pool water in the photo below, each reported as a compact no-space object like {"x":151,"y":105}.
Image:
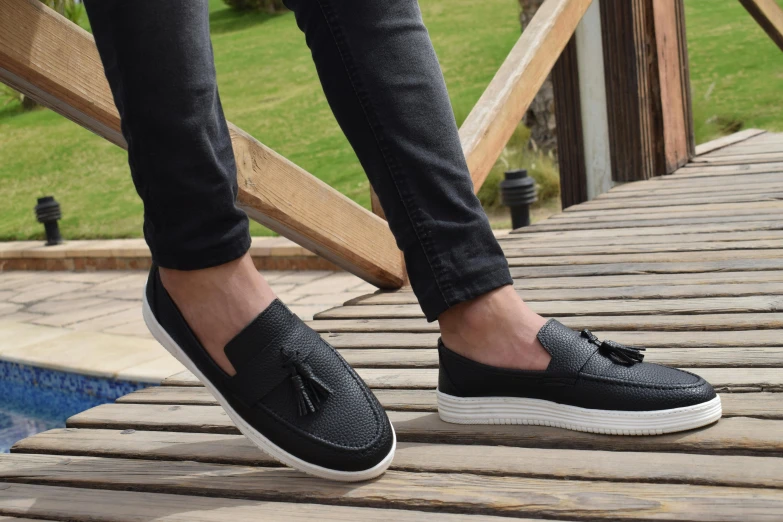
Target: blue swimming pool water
{"x":36,"y":399}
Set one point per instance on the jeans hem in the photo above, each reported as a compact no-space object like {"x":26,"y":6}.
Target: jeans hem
{"x":221,"y":255}
{"x":470,"y":287}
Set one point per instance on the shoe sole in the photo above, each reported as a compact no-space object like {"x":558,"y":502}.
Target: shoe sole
{"x":256,"y":437}
{"x":538,"y":412}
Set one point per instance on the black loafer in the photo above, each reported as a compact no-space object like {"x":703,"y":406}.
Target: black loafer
{"x":589,"y":385}
{"x":293,"y":395}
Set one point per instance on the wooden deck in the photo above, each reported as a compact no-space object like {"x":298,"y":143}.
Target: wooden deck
{"x":690,"y":266}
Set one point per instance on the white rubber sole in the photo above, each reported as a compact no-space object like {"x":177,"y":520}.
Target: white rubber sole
{"x":266,"y":445}
{"x":514,"y":410}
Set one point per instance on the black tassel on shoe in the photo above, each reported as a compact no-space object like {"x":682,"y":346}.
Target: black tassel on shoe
{"x":619,"y":353}
{"x":309,"y":390}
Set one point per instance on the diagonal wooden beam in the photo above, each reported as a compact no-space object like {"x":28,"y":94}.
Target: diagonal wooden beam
{"x":56,"y":63}
{"x":769,"y":16}
{"x":492,"y":121}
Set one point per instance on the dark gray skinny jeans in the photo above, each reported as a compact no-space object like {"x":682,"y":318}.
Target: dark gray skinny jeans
{"x":383,"y":82}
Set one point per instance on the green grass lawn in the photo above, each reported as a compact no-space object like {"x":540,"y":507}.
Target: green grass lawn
{"x":736,"y":70}
{"x":269,"y":87}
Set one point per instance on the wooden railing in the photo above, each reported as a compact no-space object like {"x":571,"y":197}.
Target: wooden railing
{"x":769,"y":15}
{"x":498,"y":112}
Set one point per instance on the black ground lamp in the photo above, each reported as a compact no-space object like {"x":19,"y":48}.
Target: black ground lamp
{"x":47,"y":211}
{"x":517,"y":192}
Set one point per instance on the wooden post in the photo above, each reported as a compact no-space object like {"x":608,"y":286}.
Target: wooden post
{"x":496,"y":115}
{"x":580,"y":111}
{"x":569,"y":130}
{"x":647,"y":87}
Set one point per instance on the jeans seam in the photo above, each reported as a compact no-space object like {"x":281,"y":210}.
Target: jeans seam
{"x":421,"y":235}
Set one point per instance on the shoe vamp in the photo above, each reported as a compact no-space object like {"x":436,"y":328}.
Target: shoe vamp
{"x":646,"y":374}
{"x":349,"y":417}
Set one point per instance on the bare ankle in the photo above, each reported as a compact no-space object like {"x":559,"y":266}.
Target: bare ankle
{"x":497,"y":328}
{"x":219,"y":302}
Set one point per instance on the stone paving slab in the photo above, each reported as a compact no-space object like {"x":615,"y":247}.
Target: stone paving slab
{"x":91,"y":323}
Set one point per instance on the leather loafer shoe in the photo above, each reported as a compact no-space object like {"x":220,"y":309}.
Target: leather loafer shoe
{"x":589,"y":385}
{"x":293,"y":395}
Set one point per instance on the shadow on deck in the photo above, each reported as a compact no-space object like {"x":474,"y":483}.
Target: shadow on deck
{"x":688,"y":265}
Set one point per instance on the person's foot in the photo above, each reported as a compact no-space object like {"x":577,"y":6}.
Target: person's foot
{"x":219,"y":302}
{"x":497,"y":329}
{"x":281,"y":384}
{"x":589,"y":385}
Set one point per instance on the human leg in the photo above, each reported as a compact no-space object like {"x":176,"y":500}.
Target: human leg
{"x":500,"y":362}
{"x":286,"y":389}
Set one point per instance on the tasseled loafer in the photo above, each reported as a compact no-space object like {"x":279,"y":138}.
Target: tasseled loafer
{"x":589,"y":385}
{"x":293,"y":395}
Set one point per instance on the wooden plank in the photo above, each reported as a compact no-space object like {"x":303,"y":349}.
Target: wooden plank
{"x":292,"y":202}
{"x":715,"y":174}
{"x":678,"y":201}
{"x":695,"y":210}
{"x":757,"y":405}
{"x":377,"y":378}
{"x":705,"y":256}
{"x":653,"y":268}
{"x":77,"y":504}
{"x":516,"y":248}
{"x":747,"y":148}
{"x":615,"y":237}
{"x":400,"y":489}
{"x":695,"y":175}
{"x":733,"y":340}
{"x":748,"y":221}
{"x":725,"y":380}
{"x":716,"y":282}
{"x":617,"y":292}
{"x":497,"y":113}
{"x":56,"y":63}
{"x":740,"y":159}
{"x":769,"y":16}
{"x":681,"y":307}
{"x":662,"y":325}
{"x":664,"y":230}
{"x":714,"y":470}
{"x":676,"y":192}
{"x":421,"y":353}
{"x":730,"y":435}
{"x":677,"y":119}
{"x":725,"y":141}
{"x":769,"y":137}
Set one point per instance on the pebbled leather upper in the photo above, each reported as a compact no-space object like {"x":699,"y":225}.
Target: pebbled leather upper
{"x":349,"y":430}
{"x":579,"y":374}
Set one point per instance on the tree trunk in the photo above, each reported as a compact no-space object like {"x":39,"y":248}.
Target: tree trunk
{"x":540,"y":117}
